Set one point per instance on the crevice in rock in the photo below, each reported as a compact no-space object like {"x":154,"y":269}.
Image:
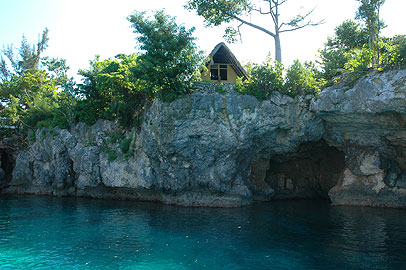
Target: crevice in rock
{"x":7,"y":164}
{"x":308,"y":173}
{"x":395,"y":172}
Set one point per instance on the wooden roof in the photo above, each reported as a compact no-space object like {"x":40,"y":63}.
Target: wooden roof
{"x":221,"y":54}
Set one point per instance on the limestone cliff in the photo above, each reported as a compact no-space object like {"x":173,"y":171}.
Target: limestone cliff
{"x":367,"y":122}
{"x":209,"y":149}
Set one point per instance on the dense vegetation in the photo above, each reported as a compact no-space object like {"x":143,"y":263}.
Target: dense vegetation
{"x":35,"y":91}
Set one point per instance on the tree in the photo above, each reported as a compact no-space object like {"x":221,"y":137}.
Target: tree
{"x":301,"y":80}
{"x":169,"y":59}
{"x":122,"y":87}
{"x":349,"y":35}
{"x":216,"y":12}
{"x":33,"y":92}
{"x":264,"y":79}
{"x":28,"y":57}
{"x":368,"y":11}
{"x":109,"y":90}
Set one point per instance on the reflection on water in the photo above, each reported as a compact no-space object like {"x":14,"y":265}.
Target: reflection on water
{"x":69,"y":233}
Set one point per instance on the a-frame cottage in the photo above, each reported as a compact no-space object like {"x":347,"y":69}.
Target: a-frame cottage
{"x":223,"y":66}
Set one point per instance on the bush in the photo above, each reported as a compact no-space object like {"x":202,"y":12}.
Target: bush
{"x":169,"y":60}
{"x":264,"y":79}
{"x":359,"y":60}
{"x":125,"y":145}
{"x":392,"y":52}
{"x":300,"y":80}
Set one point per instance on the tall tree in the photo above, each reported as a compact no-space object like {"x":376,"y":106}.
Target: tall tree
{"x":368,"y":11}
{"x":216,"y":12}
{"x":348,"y":35}
{"x":110,"y":91}
{"x":30,"y":86}
{"x":28,"y":57}
{"x":169,"y":57}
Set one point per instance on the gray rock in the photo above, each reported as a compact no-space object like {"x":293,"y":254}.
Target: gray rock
{"x":209,"y":149}
{"x":367,"y":122}
{"x":197,"y":150}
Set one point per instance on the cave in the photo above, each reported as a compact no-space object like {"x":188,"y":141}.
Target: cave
{"x":308,"y":173}
{"x":7,"y":165}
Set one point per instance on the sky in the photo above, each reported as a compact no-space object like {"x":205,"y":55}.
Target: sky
{"x":80,"y":29}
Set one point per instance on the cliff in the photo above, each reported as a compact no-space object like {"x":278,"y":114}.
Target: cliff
{"x":367,"y":123}
{"x":209,"y":149}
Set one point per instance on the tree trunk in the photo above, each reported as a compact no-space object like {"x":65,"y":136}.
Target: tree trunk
{"x":372,"y":43}
{"x":278,"y":50}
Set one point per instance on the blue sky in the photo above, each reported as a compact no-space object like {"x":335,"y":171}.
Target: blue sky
{"x":80,"y":29}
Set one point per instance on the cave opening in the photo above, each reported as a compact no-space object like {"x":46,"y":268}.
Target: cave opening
{"x":7,"y":165}
{"x":308,"y":173}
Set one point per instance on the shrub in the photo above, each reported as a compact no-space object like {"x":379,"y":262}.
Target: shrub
{"x":359,"y":60}
{"x":125,"y":145}
{"x":264,"y":79}
{"x":300,"y":80}
{"x":392,"y":52}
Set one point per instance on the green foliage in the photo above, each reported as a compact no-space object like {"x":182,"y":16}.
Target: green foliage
{"x":392,"y":52}
{"x":349,"y":35}
{"x":125,"y":145}
{"x":300,"y":79}
{"x":111,"y":154}
{"x":109,"y":90}
{"x":122,"y":87}
{"x":220,"y":90}
{"x":332,"y":61}
{"x":219,"y":11}
{"x":33,"y":99}
{"x":28,"y":58}
{"x":368,"y":11}
{"x":264,"y":79}
{"x":116,"y":137}
{"x":358,"y":60}
{"x":169,"y":60}
{"x":356,"y":49}
{"x":31,"y":136}
{"x":35,"y":95}
{"x":109,"y":146}
{"x":391,"y":55}
{"x":334,"y":56}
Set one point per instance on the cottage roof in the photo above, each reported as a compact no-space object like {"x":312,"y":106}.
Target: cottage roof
{"x":222,"y":54}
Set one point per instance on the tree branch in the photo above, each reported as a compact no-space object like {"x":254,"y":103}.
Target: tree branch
{"x":254,"y":26}
{"x":260,"y":11}
{"x":273,"y":15}
{"x":294,"y":24}
{"x":239,"y":32}
{"x":302,"y":26}
{"x":276,"y":2}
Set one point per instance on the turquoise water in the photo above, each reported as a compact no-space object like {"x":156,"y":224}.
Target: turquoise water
{"x":69,"y":233}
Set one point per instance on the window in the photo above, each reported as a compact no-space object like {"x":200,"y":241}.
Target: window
{"x":218,"y":73}
{"x":214,"y":73}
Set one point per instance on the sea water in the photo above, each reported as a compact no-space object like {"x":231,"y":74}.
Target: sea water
{"x":73,"y":233}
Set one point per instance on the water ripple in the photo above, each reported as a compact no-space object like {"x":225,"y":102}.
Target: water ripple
{"x":69,"y":233}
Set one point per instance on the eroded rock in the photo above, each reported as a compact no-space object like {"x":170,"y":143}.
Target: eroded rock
{"x":209,"y":149}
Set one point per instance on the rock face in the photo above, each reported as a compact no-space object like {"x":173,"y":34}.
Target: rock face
{"x":9,"y":148}
{"x":210,"y":149}
{"x":195,"y":151}
{"x":367,"y":122}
